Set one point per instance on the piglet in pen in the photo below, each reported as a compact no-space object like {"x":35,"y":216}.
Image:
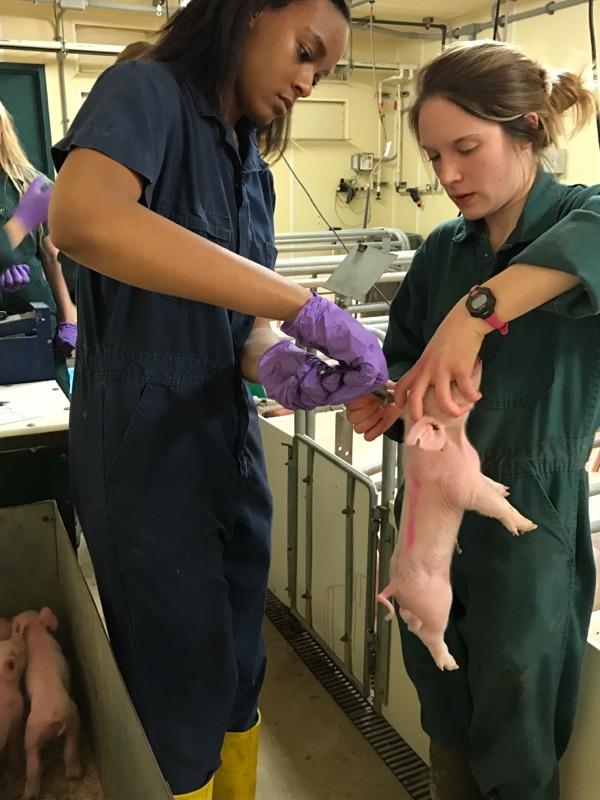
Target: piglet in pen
{"x":443,"y":479}
{"x":12,"y":664}
{"x":53,"y":712}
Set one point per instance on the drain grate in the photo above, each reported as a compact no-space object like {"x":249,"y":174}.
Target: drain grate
{"x":406,"y":765}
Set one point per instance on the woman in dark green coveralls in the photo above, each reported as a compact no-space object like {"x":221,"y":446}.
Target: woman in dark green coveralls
{"x":46,"y":283}
{"x":521,"y":611}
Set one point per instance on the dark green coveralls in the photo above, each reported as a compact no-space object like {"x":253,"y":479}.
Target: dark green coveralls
{"x":38,"y":289}
{"x":521,"y":610}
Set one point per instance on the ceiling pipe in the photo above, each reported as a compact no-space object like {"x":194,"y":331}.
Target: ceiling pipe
{"x":426,"y":23}
{"x":72,"y":48}
{"x":476,"y":28}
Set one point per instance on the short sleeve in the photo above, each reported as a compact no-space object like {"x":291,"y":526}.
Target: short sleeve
{"x":128,"y":116}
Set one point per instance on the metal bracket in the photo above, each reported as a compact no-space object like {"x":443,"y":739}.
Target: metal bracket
{"x":343,"y":437}
{"x":360,"y":271}
{"x":377,"y":516}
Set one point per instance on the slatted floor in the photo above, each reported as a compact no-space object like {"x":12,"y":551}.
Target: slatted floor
{"x":403,"y":762}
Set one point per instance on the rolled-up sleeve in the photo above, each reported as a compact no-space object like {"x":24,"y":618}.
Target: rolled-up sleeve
{"x":572,"y":245}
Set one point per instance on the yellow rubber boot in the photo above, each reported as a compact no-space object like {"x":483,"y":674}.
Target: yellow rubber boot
{"x":204,"y":793}
{"x":236,"y":777}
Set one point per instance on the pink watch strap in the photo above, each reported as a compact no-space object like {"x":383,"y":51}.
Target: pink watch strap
{"x":496,"y":323}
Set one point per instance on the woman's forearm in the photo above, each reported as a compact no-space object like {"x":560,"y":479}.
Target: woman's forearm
{"x":55,"y":277}
{"x":521,"y":288}
{"x":116,"y":236}
{"x":261,"y":338}
{"x":15,"y":231}
{"x":64,"y":304}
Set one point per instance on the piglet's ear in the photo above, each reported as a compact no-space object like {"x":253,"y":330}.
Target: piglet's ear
{"x":48,"y":619}
{"x":428,"y":434}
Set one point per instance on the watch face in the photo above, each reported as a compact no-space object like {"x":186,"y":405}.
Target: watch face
{"x":478,"y":302}
{"x":481,"y":302}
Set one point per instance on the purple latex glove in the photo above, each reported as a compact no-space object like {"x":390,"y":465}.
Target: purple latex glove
{"x":299,"y":380}
{"x":328,"y":328}
{"x":33,"y":208}
{"x":14,"y":278}
{"x":65,"y":339}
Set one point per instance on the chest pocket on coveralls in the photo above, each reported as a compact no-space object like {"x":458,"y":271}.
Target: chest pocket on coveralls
{"x":517,"y":368}
{"x":211,"y":225}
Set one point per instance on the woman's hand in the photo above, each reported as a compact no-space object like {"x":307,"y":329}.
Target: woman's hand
{"x":450,"y":356}
{"x":369,"y":416}
{"x":33,"y":206}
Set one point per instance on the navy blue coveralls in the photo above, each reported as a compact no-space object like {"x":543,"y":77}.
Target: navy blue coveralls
{"x":167,"y":466}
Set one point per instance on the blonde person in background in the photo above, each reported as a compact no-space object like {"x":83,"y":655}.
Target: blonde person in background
{"x":29,"y":266}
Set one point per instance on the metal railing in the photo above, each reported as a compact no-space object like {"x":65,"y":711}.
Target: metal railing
{"x":353,"y":478}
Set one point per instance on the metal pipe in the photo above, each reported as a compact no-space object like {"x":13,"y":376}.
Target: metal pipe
{"x":388,"y":476}
{"x":327,"y":247}
{"x":549,"y":8}
{"x":60,"y":57}
{"x":379,"y":334}
{"x":360,"y":308}
{"x":314,"y":264}
{"x":352,"y":233}
{"x":102,"y":4}
{"x":374,"y":469}
{"x":427,"y":23}
{"x":307,"y":272}
{"x":376,"y":320}
{"x":382,"y":67}
{"x":403,"y":23}
{"x":311,"y":424}
{"x":378,"y":330}
{"x":428,"y":37}
{"x":308,"y":265}
{"x":300,"y":423}
{"x":315,"y":283}
{"x":128,"y":7}
{"x":69,"y":48}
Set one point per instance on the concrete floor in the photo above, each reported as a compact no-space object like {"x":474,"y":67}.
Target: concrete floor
{"x":309,"y":750}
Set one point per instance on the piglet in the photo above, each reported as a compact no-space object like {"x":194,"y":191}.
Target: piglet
{"x":53,"y":713}
{"x":12,"y":664}
{"x":442,"y":479}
